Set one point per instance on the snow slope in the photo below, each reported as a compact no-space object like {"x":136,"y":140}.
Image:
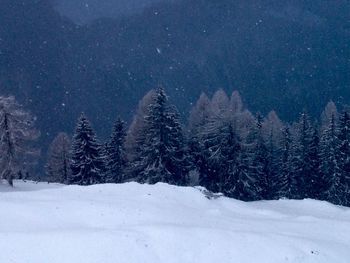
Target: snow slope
{"x":129,"y":223}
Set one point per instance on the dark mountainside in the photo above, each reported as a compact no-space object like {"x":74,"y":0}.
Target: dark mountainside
{"x":281,"y":56}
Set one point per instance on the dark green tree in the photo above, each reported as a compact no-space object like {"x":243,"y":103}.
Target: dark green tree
{"x":87,"y":162}
{"x":115,"y":158}
{"x":163,"y":157}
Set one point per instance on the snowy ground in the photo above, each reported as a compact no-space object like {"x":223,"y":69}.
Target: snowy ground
{"x":129,"y":223}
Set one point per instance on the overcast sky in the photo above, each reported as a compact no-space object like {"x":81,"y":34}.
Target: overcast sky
{"x":84,"y":10}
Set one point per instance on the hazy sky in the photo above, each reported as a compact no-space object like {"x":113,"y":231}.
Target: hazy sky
{"x":84,"y":10}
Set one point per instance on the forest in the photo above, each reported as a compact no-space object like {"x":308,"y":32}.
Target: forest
{"x":224,"y":148}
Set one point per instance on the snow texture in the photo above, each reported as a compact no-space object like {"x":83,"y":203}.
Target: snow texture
{"x":130,"y":223}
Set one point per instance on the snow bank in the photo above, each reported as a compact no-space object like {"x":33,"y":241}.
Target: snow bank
{"x":48,"y":223}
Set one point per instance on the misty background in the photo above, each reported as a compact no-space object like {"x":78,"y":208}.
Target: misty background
{"x":100,"y":57}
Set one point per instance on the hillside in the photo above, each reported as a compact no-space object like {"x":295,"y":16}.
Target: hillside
{"x":285,"y":57}
{"x":141,"y":223}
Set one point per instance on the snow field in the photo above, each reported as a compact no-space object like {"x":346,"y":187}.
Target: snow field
{"x":49,"y":223}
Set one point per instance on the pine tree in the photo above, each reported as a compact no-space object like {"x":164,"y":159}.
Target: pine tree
{"x":222,"y":152}
{"x":217,"y":132}
{"x":244,"y":186}
{"x":314,"y":182}
{"x":163,"y":157}
{"x":344,"y":151}
{"x":283,"y":181}
{"x":272,"y":130}
{"x":87,"y":161}
{"x":259,"y":161}
{"x":228,"y":162}
{"x":301,"y":162}
{"x":58,"y":161}
{"x":331,"y":166}
{"x":115,"y":154}
{"x":16,"y":132}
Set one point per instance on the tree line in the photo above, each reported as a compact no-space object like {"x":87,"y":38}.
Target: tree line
{"x":224,"y":147}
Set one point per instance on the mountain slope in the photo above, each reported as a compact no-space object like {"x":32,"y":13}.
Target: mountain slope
{"x":161,"y":223}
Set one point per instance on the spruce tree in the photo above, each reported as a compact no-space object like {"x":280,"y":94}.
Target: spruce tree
{"x":344,"y":151}
{"x":273,"y":135}
{"x":283,"y":181}
{"x":219,"y":144}
{"x":231,"y":178}
{"x":87,"y":162}
{"x":163,"y":157}
{"x":301,"y":162}
{"x":223,"y":150}
{"x":259,"y":161}
{"x":314,"y":181}
{"x":135,"y":137}
{"x":330,"y":163}
{"x":115,"y":154}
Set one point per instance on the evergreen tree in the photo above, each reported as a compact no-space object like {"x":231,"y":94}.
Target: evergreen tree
{"x":87,"y":162}
{"x":58,"y":162}
{"x":222,"y":152}
{"x":331,"y":166}
{"x":301,"y":162}
{"x":259,"y":162}
{"x":229,"y":163}
{"x":272,"y":130}
{"x":162,"y":156}
{"x":344,"y":151}
{"x":217,"y":132}
{"x":283,"y":181}
{"x":314,"y":182}
{"x":115,"y":154}
{"x":16,"y":132}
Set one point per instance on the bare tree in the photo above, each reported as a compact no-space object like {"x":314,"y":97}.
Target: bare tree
{"x":58,"y":161}
{"x":16,"y":132}
{"x":199,"y":116}
{"x":134,"y":135}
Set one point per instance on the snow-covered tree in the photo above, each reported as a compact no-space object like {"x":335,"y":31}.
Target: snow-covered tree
{"x":331,"y":163}
{"x":221,"y":151}
{"x":87,"y":162}
{"x":199,"y":116}
{"x":302,"y":167}
{"x":162,"y":155}
{"x":283,"y":181}
{"x":259,"y":161}
{"x":329,"y":112}
{"x":220,"y":104}
{"x":226,"y":160}
{"x":236,"y":104}
{"x":344,"y":152}
{"x":198,"y":120}
{"x":272,"y":131}
{"x":58,"y":161}
{"x":314,"y":181}
{"x":115,"y":154}
{"x":135,"y":137}
{"x":16,"y":133}
{"x":241,"y":118}
{"x":214,"y":134}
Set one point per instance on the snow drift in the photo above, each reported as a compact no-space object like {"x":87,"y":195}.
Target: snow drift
{"x":43,"y":223}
